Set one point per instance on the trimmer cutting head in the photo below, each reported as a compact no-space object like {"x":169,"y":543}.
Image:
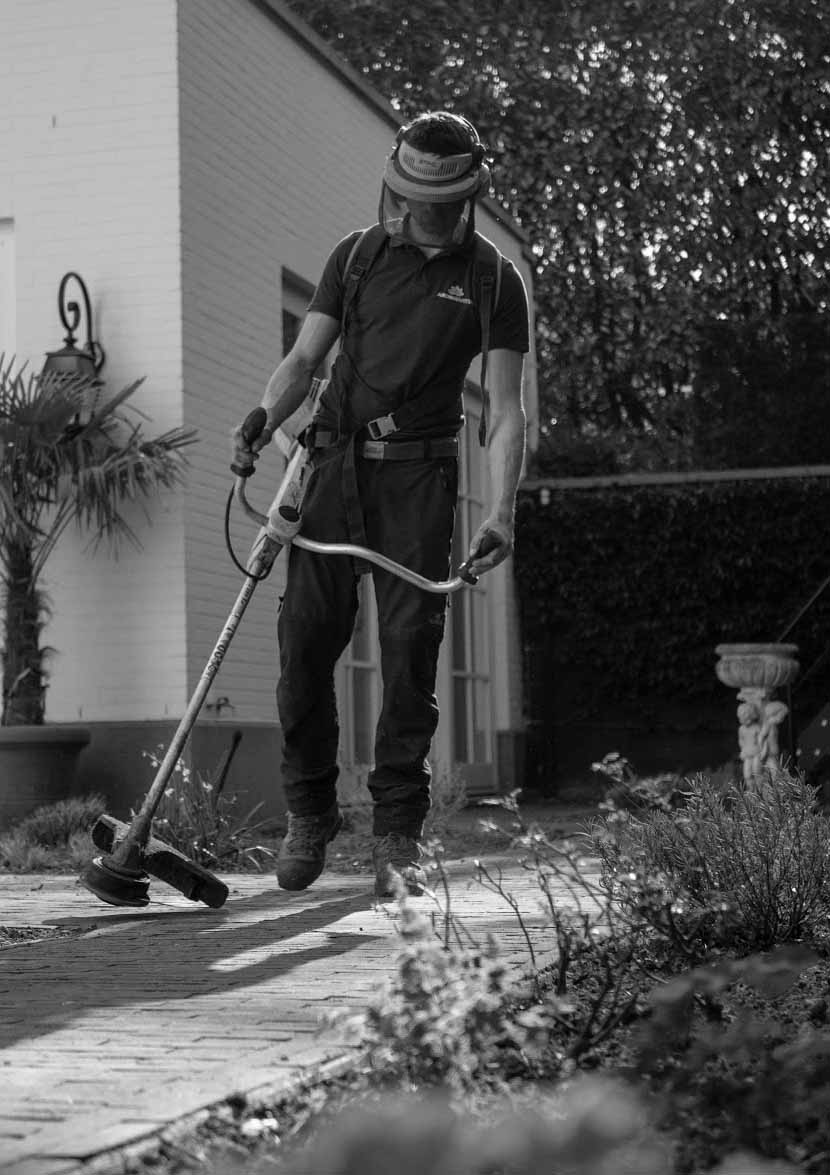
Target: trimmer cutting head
{"x":162,"y":861}
{"x":116,"y":885}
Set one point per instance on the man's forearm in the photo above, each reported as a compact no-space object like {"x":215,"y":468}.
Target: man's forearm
{"x":286,"y":390}
{"x":505,"y":458}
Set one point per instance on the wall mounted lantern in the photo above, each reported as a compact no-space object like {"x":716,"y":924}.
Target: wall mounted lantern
{"x":71,"y":361}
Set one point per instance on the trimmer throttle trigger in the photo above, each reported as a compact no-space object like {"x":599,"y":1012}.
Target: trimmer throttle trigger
{"x":252,"y":426}
{"x":489,"y":542}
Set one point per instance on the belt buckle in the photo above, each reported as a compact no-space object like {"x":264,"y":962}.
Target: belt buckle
{"x":381,"y":427}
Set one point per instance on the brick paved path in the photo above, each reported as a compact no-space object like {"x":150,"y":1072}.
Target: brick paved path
{"x":152,"y":1014}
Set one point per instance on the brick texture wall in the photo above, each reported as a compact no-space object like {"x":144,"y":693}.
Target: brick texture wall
{"x":278,"y":163}
{"x":89,"y":177}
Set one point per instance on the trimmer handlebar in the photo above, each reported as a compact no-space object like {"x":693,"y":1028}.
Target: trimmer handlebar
{"x":462,"y":578}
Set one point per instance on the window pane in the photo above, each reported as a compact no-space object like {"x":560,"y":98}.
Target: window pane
{"x":362,"y":715}
{"x":459,"y":720}
{"x":458,"y":621}
{"x":481,"y":722}
{"x":480,"y":658}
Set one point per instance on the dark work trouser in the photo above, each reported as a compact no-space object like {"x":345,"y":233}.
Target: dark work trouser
{"x":408,"y":510}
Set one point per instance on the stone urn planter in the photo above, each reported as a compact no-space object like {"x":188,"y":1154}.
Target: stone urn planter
{"x":37,"y":766}
{"x":756,"y":671}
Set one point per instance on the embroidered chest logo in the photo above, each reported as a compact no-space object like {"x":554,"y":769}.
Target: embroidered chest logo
{"x":456,"y":294}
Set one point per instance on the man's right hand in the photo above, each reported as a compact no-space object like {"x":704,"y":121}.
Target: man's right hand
{"x":247,"y":441}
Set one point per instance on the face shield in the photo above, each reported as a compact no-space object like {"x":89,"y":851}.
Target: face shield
{"x":437,"y":192}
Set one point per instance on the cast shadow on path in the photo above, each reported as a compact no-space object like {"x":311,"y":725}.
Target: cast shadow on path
{"x":137,"y":960}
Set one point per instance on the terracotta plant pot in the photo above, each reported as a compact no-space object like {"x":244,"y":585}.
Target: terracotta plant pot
{"x":37,"y":766}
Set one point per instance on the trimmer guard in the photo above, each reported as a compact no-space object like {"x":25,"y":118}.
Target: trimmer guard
{"x":166,"y":863}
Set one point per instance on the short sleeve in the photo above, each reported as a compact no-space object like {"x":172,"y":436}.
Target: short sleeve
{"x":510,"y":327}
{"x":328,"y":296}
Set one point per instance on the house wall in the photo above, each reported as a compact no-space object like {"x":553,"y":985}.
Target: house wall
{"x":89,"y":182}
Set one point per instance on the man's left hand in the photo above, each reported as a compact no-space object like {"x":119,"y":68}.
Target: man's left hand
{"x":491,"y":545}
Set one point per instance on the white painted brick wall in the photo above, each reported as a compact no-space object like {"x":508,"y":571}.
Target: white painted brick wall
{"x":279,"y":162}
{"x":89,"y":173}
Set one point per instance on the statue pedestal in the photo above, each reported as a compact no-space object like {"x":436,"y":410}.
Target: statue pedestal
{"x":756,"y":671}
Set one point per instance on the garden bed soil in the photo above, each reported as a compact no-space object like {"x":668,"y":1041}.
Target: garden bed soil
{"x":16,"y":936}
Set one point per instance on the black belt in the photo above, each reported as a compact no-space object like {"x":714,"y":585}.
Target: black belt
{"x":408,"y":450}
{"x":391,"y":450}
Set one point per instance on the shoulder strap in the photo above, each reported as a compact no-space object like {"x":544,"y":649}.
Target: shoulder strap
{"x":361,"y":257}
{"x":488,"y":262}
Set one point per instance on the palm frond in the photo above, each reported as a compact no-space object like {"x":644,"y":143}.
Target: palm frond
{"x":65,"y":457}
{"x":108,"y":408}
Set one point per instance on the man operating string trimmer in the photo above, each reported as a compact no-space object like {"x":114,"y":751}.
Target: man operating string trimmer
{"x":413,"y":300}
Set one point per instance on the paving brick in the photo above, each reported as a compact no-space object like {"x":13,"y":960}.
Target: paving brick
{"x":37,"y":1167}
{"x":108,"y":1037}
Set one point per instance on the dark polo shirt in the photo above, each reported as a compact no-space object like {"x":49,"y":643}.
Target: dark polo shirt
{"x":413,"y":325}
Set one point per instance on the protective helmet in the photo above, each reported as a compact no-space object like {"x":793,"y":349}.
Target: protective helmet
{"x":413,"y":173}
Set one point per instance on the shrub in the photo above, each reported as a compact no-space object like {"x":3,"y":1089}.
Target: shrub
{"x":195,"y":817}
{"x":53,"y":825}
{"x":739,"y":1058}
{"x":594,"y":1128}
{"x":443,"y":1019}
{"x":593,"y":985}
{"x":18,"y":853}
{"x":741,"y":867}
{"x":627,"y":789}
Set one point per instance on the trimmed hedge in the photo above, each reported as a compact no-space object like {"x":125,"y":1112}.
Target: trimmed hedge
{"x":625,"y":590}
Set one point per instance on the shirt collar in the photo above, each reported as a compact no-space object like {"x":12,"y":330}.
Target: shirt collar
{"x":399,"y":242}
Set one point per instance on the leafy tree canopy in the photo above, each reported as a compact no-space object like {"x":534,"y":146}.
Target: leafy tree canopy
{"x":669,"y":163}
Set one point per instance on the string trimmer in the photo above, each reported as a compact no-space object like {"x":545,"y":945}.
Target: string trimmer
{"x":131,"y":853}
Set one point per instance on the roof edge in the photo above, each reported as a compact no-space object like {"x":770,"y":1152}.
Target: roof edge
{"x":279,"y":11}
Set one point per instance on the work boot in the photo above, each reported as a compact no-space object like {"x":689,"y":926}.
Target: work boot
{"x":395,"y":858}
{"x":302,"y":855}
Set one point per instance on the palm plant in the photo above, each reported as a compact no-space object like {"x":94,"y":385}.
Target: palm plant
{"x":62,"y":461}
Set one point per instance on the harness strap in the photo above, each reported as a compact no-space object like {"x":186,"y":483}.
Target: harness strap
{"x":485,"y":309}
{"x":352,"y":505}
{"x":356,"y":269}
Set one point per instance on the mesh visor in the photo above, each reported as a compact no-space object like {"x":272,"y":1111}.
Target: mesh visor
{"x":394,"y":214}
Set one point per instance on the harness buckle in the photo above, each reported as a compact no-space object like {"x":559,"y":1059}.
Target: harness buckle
{"x":381,"y":427}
